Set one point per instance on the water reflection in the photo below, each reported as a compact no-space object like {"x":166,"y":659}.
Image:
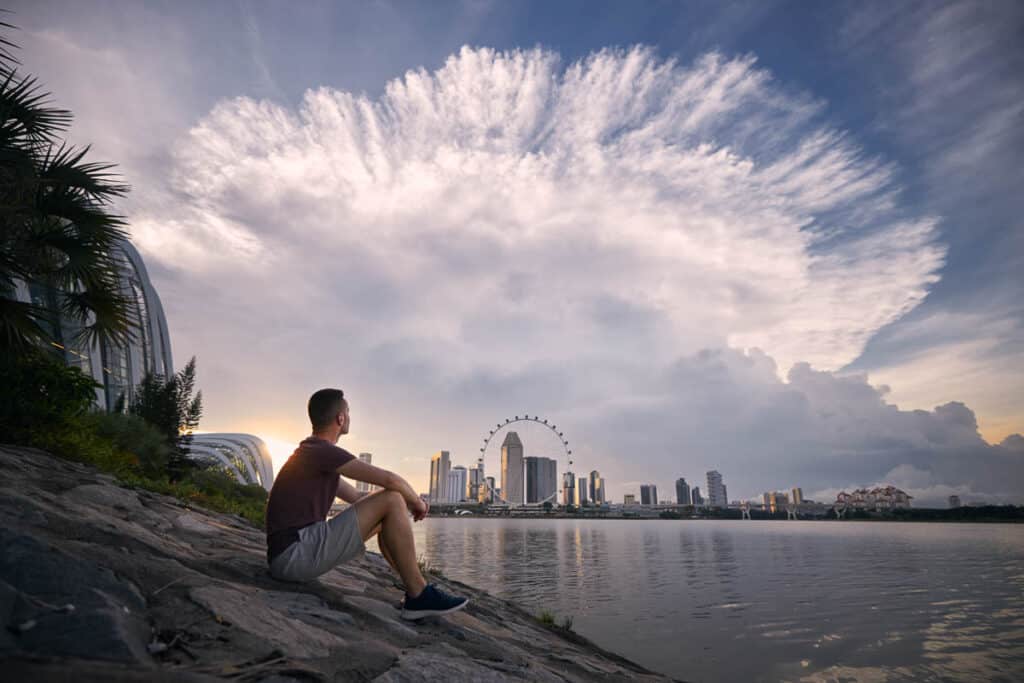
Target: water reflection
{"x":799,"y":601}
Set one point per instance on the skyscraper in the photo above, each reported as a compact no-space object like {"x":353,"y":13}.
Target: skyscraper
{"x":475,"y":487}
{"x":682,"y":492}
{"x":798,"y":495}
{"x":594,"y":486}
{"x":362,"y":486}
{"x":488,"y":495}
{"x":440,"y":466}
{"x":541,"y":479}
{"x":629,"y":499}
{"x":717,"y":497}
{"x":648,"y":494}
{"x":457,"y":481}
{"x":512,"y":469}
{"x":569,"y":488}
{"x":696,"y":499}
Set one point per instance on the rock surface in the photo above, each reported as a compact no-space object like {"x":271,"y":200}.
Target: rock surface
{"x":103,"y":583}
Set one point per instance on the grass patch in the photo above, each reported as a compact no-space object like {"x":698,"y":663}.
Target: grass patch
{"x":427,"y":568}
{"x":550,"y":619}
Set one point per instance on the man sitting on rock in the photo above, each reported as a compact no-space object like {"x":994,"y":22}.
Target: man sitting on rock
{"x":302,"y":544}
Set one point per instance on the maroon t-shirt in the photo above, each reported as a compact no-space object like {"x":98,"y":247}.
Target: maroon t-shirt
{"x":303,"y":491}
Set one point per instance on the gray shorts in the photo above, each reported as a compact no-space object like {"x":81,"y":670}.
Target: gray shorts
{"x":321,"y":546}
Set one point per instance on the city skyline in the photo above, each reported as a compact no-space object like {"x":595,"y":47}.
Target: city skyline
{"x":839,"y":308}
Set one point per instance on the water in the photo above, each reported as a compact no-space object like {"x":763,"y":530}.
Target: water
{"x":710,"y":600}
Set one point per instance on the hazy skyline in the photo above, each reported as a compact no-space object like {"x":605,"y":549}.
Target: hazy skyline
{"x":778,"y":240}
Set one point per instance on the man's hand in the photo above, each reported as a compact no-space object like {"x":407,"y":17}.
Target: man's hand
{"x":418,"y":509}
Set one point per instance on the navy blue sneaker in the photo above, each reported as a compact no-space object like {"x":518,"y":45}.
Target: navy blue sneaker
{"x":430,"y":603}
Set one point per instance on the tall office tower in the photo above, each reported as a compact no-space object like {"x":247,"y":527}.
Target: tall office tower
{"x":798,"y":495}
{"x":682,"y":492}
{"x":362,"y":486}
{"x":569,"y":488}
{"x":593,"y":485}
{"x":716,"y":491}
{"x":581,"y":490}
{"x":488,"y":494}
{"x":512,"y":469}
{"x":603,"y":488}
{"x":457,"y":484}
{"x":440,"y":466}
{"x":696,"y":498}
{"x":648,"y":494}
{"x":541,"y":479}
{"x":476,"y":483}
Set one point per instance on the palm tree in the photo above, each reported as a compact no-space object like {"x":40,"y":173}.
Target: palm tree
{"x":57,"y":233}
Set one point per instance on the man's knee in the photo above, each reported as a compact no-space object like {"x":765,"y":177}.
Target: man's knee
{"x":395,"y":500}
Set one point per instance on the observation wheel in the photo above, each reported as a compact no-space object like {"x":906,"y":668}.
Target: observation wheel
{"x":563,"y":457}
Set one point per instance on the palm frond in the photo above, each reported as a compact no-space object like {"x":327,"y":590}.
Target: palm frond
{"x":20,"y":326}
{"x":26,"y":112}
{"x":105,"y":312}
{"x":62,"y":170}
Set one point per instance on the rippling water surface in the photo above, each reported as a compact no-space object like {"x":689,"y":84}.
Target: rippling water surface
{"x":743,"y":601}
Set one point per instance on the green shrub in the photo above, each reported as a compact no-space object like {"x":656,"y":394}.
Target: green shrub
{"x":133,"y":436}
{"x":40,"y":396}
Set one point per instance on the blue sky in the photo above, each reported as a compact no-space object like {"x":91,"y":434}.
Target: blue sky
{"x":781,"y":240}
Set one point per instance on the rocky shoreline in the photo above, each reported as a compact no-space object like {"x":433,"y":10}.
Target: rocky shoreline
{"x":104,"y":583}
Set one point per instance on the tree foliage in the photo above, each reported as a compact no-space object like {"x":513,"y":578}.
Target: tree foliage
{"x":168,"y":404}
{"x":57,"y":233}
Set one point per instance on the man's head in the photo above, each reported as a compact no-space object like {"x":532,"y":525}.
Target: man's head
{"x":328,"y":412}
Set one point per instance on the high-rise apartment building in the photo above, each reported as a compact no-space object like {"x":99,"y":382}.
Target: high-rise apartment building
{"x":512,"y":469}
{"x":696,"y":499}
{"x":457,"y":482}
{"x":440,"y":467}
{"x":569,"y":488}
{"x":629,"y":499}
{"x":541,"y":479}
{"x":798,"y":495}
{"x":488,"y":495}
{"x":682,"y":492}
{"x":648,"y":494}
{"x":717,"y":497}
{"x":362,"y":486}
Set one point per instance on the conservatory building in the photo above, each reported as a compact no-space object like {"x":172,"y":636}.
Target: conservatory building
{"x":243,"y":456}
{"x":117,"y":369}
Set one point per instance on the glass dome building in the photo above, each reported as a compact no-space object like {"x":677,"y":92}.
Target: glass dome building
{"x":243,"y":456}
{"x":118,"y":369}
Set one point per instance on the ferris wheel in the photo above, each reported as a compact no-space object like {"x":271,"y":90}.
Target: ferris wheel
{"x":564,"y":460}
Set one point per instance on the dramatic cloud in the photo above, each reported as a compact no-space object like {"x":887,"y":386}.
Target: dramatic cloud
{"x":591,"y":241}
{"x":702,"y":204}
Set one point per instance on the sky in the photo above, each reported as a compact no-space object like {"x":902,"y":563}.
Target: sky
{"x":781,"y":240}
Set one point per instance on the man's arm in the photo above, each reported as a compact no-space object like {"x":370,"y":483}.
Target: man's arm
{"x":347,"y":492}
{"x":363,"y":471}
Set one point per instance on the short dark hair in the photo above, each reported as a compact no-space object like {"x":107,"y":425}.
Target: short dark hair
{"x":324,"y":405}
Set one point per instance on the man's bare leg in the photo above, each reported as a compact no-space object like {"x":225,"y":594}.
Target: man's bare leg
{"x":384,"y":550}
{"x":388,"y":510}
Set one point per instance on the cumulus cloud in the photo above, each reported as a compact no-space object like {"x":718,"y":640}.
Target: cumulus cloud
{"x":596,"y":241}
